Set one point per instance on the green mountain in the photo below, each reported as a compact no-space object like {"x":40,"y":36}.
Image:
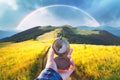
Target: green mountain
{"x":28,"y":34}
{"x":111,"y":29}
{"x":72,"y":34}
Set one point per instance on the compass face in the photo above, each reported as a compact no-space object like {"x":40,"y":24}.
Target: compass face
{"x":60,"y":46}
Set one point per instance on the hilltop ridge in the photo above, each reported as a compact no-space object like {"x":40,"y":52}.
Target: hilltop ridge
{"x":72,"y":34}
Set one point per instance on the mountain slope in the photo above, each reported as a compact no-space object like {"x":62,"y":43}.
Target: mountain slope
{"x":113,"y":30}
{"x":49,"y":36}
{"x":28,"y":34}
{"x":75,"y":35}
{"x":72,"y":34}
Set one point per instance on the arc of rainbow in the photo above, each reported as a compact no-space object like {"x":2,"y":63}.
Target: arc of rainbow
{"x":40,"y":9}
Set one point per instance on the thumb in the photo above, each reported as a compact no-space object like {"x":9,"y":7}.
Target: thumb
{"x":51,"y":54}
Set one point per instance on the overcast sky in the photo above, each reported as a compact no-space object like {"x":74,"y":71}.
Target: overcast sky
{"x":106,"y":12}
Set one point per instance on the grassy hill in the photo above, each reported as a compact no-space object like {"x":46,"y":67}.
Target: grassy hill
{"x":23,"y":61}
{"x":28,"y":34}
{"x":72,"y":34}
{"x":111,"y":29}
{"x":49,"y":36}
{"x":75,"y":35}
{"x":22,"y":55}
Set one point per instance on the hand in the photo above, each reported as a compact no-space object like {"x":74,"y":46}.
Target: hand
{"x":51,"y":64}
{"x":66,"y":73}
{"x":50,"y":60}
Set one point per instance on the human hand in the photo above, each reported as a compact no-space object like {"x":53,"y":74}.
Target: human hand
{"x":50,"y":60}
{"x":66,"y":73}
{"x":51,"y":64}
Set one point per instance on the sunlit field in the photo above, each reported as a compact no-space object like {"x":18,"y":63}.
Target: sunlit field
{"x":23,"y":61}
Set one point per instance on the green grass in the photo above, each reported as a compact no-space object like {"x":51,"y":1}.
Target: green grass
{"x":84,"y":32}
{"x":5,"y":44}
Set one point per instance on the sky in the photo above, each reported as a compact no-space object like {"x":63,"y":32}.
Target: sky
{"x":12,"y":12}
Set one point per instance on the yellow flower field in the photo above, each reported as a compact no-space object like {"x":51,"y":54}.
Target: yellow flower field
{"x":23,"y":61}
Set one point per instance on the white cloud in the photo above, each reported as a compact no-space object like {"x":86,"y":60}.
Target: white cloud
{"x":11,"y":3}
{"x":113,"y":23}
{"x":42,"y":18}
{"x":45,"y":16}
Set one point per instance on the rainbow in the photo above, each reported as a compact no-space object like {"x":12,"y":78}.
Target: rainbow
{"x":40,"y":9}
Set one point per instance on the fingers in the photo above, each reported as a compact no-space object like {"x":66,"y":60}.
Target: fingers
{"x":72,"y":66}
{"x":69,"y":53}
{"x":70,"y":70}
{"x":51,"y":53}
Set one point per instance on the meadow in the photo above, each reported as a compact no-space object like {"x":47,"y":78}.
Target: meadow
{"x":23,"y":61}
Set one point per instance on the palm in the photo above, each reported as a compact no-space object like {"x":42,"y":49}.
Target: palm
{"x":51,"y":64}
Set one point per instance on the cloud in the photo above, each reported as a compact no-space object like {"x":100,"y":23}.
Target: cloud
{"x":54,"y":15}
{"x":40,"y":18}
{"x":105,"y":11}
{"x":10,"y":14}
{"x":7,"y":5}
{"x":11,"y":3}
